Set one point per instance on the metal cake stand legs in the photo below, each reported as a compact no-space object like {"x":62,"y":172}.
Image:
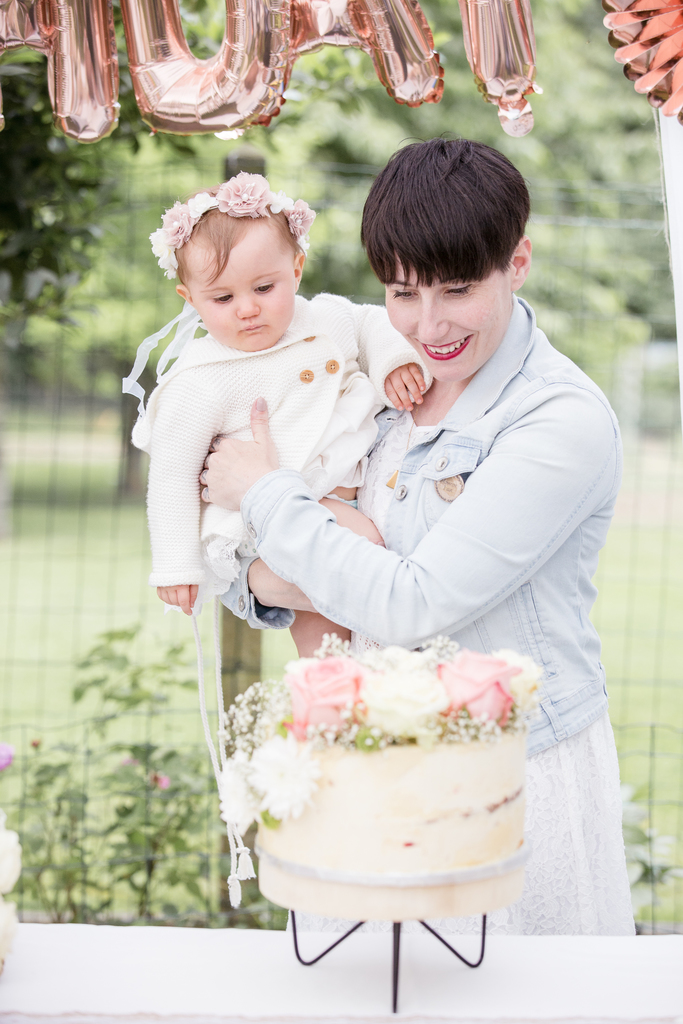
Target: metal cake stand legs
{"x":396,"y":951}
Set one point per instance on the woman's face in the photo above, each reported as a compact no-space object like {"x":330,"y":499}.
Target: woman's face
{"x":457,"y":326}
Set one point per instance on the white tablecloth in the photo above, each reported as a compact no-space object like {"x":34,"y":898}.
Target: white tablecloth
{"x":83,"y":974}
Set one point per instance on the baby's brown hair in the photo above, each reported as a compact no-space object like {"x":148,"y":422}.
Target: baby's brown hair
{"x":217,"y":233}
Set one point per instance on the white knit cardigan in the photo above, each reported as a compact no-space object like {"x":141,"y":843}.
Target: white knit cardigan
{"x":321,"y":406}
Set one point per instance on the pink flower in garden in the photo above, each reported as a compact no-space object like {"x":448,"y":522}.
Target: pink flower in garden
{"x":480,"y":684}
{"x":178,"y":225}
{"x":160,"y":781}
{"x":321,"y":689}
{"x":245,"y":195}
{"x":36,"y":743}
{"x":300,"y":218}
{"x":6,"y":756}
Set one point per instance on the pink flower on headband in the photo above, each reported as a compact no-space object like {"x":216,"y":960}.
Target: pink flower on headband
{"x":300,"y":218}
{"x":245,"y":195}
{"x":178,"y":224}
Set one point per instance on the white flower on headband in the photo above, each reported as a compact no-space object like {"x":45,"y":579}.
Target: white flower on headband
{"x":245,"y":195}
{"x":280,"y":201}
{"x":164,"y":252}
{"x":200,"y":204}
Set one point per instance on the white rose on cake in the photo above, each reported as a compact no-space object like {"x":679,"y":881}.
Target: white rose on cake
{"x":10,"y":856}
{"x":524,"y":686}
{"x":404,"y":699}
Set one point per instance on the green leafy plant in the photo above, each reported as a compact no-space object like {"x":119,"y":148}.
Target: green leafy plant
{"x":648,"y":855}
{"x":114,"y":821}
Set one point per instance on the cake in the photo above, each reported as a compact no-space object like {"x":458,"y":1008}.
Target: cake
{"x":389,"y":786}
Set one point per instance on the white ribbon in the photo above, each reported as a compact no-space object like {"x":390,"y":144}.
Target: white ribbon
{"x":188,"y":320}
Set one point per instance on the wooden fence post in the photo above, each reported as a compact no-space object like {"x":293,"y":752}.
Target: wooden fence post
{"x":241,"y":650}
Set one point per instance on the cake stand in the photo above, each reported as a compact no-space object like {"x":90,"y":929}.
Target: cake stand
{"x":392,"y":896}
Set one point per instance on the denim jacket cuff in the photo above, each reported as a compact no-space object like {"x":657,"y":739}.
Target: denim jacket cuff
{"x":242,"y":603}
{"x":266,"y":493}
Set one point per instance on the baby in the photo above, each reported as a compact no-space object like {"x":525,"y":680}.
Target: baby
{"x":238,"y":251}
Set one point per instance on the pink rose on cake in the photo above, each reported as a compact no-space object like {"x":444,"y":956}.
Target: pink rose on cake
{"x":321,"y":690}
{"x":479,"y":683}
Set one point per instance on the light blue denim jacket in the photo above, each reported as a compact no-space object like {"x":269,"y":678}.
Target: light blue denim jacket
{"x":509,"y":563}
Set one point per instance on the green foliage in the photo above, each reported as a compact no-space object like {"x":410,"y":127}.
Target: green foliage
{"x":120,"y":684}
{"x":114,"y":820}
{"x":648,"y":855}
{"x":55,"y":191}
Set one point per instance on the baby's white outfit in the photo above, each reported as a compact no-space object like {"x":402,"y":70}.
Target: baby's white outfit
{"x":322,"y":410}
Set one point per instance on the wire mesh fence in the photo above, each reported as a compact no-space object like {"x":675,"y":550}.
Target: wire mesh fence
{"x":91,"y":797}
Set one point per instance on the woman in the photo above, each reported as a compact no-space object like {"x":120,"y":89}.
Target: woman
{"x":493,"y":498}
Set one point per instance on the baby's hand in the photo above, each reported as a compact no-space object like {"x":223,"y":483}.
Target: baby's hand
{"x":405,"y":386}
{"x":184,"y":596}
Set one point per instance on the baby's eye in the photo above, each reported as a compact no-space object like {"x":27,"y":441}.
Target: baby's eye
{"x":263,"y":288}
{"x":222,"y":298}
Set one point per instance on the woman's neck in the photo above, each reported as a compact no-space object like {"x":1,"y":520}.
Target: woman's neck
{"x":438,"y":401}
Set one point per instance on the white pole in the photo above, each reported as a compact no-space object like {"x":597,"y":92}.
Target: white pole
{"x":671,"y":132}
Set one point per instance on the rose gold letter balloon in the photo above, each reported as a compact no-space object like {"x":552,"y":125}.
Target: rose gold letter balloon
{"x":179,"y":93}
{"x":394,"y":32}
{"x":78,"y":38}
{"x":648,"y":38}
{"x":501,"y":49}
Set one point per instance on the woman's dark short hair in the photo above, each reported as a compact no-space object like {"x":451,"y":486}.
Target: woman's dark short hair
{"x":447,"y":211}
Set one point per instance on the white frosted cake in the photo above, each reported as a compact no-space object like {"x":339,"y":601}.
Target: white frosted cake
{"x":389,"y":787}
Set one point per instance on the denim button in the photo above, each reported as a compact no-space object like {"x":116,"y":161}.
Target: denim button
{"x":251,"y":531}
{"x":401,"y":492}
{"x":241,"y":604}
{"x":441,"y":463}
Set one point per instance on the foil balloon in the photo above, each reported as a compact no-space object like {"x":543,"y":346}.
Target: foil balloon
{"x":244,"y":82}
{"x":241,"y":85}
{"x":648,"y":38}
{"x":394,"y":33}
{"x":82,"y":64}
{"x":501,"y":49}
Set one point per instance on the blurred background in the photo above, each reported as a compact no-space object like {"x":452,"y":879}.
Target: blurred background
{"x":110,"y":786}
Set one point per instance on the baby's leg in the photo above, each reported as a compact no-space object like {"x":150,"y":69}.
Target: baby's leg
{"x":309,"y":627}
{"x":353,"y":520}
{"x":308,"y":630}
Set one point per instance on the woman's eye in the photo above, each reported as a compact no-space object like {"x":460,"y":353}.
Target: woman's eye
{"x":403,"y":295}
{"x":462,"y":290}
{"x":263,"y":288}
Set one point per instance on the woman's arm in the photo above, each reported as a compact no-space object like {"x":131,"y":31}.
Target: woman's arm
{"x":545,"y":474}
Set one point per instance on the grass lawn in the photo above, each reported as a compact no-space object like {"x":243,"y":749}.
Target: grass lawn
{"x":77,"y":562}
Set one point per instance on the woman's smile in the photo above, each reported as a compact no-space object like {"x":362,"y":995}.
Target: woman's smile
{"x":448,"y":351}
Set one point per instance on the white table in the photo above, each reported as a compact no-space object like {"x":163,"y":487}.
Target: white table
{"x":81,"y":974}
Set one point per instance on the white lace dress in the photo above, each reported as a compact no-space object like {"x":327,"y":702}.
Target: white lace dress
{"x":576,"y":882}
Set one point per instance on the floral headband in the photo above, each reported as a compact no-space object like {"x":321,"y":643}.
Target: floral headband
{"x":245,"y":195}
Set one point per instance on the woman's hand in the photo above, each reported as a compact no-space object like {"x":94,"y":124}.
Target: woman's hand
{"x":232,"y":467}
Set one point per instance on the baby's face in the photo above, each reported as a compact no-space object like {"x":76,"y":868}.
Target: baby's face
{"x":251,"y":304}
